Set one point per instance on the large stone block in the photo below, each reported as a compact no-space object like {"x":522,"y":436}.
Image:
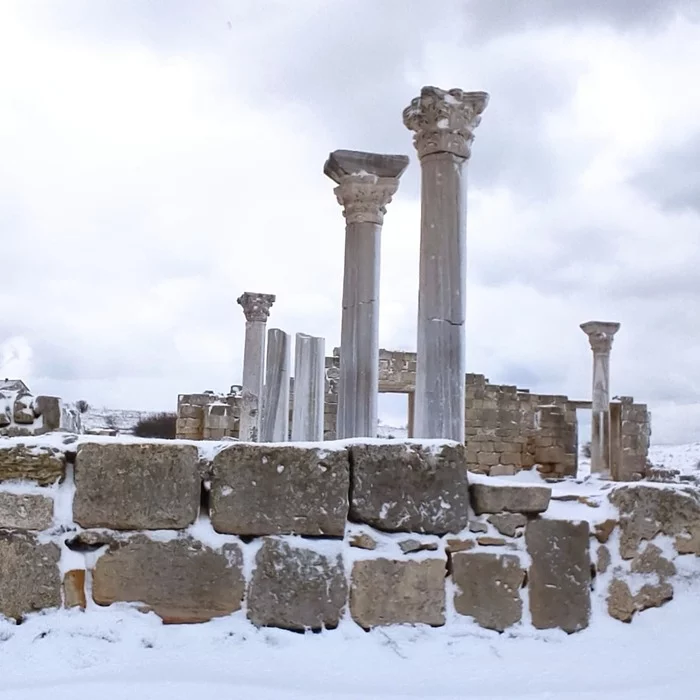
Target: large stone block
{"x":29,"y":575}
{"x":279,"y":490}
{"x":44,"y":465}
{"x":646,"y":511}
{"x":139,"y":486}
{"x":560,"y":574}
{"x":488,"y":588}
{"x":181,"y":580}
{"x":406,"y":487}
{"x":499,"y":498}
{"x":622,"y":605}
{"x":296,"y":587}
{"x":25,"y":511}
{"x":389,"y":592}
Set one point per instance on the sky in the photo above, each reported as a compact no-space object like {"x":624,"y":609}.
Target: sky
{"x":160,"y":157}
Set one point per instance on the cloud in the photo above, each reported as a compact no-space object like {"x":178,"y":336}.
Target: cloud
{"x":160,"y":158}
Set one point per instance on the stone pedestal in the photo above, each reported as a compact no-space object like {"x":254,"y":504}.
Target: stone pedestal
{"x":444,"y":124}
{"x":600,"y":335}
{"x":366,"y":184}
{"x":309,"y":384}
{"x":256,"y":308}
{"x":275,"y":418}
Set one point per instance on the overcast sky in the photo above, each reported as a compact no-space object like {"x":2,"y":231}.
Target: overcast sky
{"x":158,"y":158}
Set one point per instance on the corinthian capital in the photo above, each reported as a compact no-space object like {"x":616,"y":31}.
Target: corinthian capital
{"x":600,"y":334}
{"x":444,"y":120}
{"x":256,"y":307}
{"x":366,"y":183}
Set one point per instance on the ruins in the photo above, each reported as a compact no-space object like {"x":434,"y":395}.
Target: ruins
{"x":337,"y":527}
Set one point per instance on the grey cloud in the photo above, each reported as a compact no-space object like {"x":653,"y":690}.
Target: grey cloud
{"x":488,"y":18}
{"x":674,"y":180}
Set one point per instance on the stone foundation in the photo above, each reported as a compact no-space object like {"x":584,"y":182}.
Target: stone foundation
{"x":301,"y":537}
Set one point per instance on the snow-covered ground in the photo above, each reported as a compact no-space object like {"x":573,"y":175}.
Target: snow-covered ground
{"x":120,"y":654}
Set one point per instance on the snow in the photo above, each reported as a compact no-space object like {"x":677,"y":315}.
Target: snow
{"x":118,"y":654}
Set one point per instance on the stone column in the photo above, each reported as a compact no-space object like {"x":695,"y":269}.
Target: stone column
{"x":444,"y":124}
{"x":275,"y":415}
{"x":366,"y":184}
{"x":256,"y":308}
{"x":309,"y":385}
{"x":600,"y":335}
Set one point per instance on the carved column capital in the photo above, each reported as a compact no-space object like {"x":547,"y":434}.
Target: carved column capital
{"x":256,"y":307}
{"x":444,"y":120}
{"x":366,"y":183}
{"x":600,"y":335}
{"x":364,"y":197}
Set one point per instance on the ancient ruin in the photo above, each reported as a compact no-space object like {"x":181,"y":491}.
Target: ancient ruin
{"x":232,"y":518}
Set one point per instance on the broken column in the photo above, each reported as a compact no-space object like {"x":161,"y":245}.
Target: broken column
{"x":366,"y":184}
{"x":256,"y":308}
{"x":275,"y":417}
{"x":444,"y":124}
{"x":309,"y":385}
{"x":600,"y":335}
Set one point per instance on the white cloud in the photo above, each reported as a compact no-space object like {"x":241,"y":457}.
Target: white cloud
{"x":157,"y":164}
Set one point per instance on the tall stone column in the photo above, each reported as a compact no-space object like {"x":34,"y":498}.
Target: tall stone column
{"x":366,"y":184}
{"x":309,"y":386}
{"x":256,"y":308}
{"x":600,"y":335}
{"x":444,"y":124}
{"x":275,"y":415}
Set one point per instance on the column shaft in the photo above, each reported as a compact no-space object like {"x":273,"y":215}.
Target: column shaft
{"x":359,"y":354}
{"x":275,"y":416}
{"x":309,"y":386}
{"x":253,"y":379}
{"x":441,"y":351}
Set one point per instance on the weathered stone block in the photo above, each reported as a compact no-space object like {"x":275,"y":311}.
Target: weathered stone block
{"x":25,"y":511}
{"x":508,"y":524}
{"x":652,"y":561}
{"x":560,"y":574}
{"x":389,"y":592}
{"x":503,"y":470}
{"x":29,"y":575}
{"x":622,"y":605}
{"x":280,"y":489}
{"x":498,"y":498}
{"x":44,"y":465}
{"x":296,"y":587}
{"x":74,"y":589}
{"x":138,"y":486}
{"x":409,"y":488}
{"x":181,"y":580}
{"x":23,"y":409}
{"x":49,"y":408}
{"x":646,"y":511}
{"x":488,"y":588}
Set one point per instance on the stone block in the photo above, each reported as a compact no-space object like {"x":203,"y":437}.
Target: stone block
{"x":488,"y":588}
{"x":29,"y":575}
{"x":43,"y":465}
{"x":508,"y":524}
{"x":512,"y":458}
{"x":74,"y":589}
{"x":652,"y":561}
{"x":502,"y":470}
{"x":296,"y":587}
{"x":646,"y":511}
{"x":622,"y":605}
{"x":406,"y":487}
{"x":139,"y":486}
{"x":49,"y":408}
{"x":23,"y":409}
{"x":499,"y":498}
{"x":389,"y":592}
{"x":276,"y":489}
{"x":181,"y":580}
{"x":560,"y":574}
{"x":25,"y":511}
{"x":487,"y":459}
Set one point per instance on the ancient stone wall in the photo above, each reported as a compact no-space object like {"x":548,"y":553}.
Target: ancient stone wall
{"x":21,"y":413}
{"x":208,"y":416}
{"x":292,"y":537}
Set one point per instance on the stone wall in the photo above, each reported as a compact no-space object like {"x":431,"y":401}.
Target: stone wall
{"x":293,"y":537}
{"x":632,"y":424}
{"x":208,"y":416}
{"x":22,"y":413}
